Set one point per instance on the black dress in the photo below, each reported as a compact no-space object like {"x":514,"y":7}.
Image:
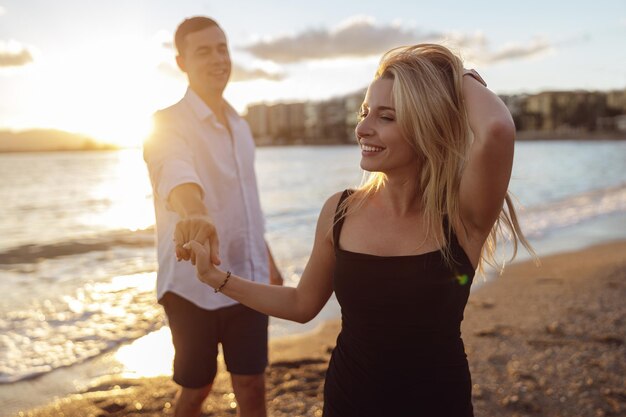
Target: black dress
{"x":399,"y":352}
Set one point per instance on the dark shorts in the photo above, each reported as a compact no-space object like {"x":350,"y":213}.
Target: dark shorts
{"x":196,"y":333}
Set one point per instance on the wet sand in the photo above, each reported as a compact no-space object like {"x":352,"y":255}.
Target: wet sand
{"x":542,"y":341}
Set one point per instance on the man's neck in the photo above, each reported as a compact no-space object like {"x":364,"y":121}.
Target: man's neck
{"x":214,"y":100}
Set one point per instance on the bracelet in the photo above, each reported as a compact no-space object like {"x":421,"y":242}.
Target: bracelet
{"x":475,"y":75}
{"x":219,"y":289}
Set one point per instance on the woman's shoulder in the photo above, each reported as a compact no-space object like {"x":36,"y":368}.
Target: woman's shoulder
{"x":332,"y":203}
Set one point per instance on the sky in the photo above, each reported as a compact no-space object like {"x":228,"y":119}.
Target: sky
{"x":102,"y":68}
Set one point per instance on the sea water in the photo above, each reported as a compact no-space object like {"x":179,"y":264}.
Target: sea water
{"x":77,"y":257}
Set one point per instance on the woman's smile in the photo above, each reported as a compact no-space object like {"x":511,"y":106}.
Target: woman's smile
{"x":370,"y":150}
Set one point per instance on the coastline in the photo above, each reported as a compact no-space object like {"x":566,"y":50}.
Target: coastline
{"x":541,"y":341}
{"x":521,"y":135}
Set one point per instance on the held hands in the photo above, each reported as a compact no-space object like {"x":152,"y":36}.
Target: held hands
{"x":205,"y":269}
{"x":208,"y":273}
{"x":196,"y":240}
{"x":199,"y":228}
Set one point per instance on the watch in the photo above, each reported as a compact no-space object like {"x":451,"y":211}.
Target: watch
{"x":475,"y":75}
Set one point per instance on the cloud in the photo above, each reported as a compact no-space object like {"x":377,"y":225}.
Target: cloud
{"x":244,"y":74}
{"x":356,"y":37}
{"x":470,"y":41}
{"x":13,"y":54}
{"x":2,"y":10}
{"x":239,"y":73}
{"x":477,"y":48}
{"x":361,"y":37}
{"x":518,"y":51}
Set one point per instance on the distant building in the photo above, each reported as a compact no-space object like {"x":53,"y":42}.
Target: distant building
{"x":620,"y":123}
{"x":277,"y":124}
{"x":334,"y":120}
{"x":326,"y":121}
{"x":258,"y":119}
{"x":612,"y":123}
{"x":616,"y":101}
{"x":296,"y":123}
{"x":312,"y":122}
{"x":563,"y":110}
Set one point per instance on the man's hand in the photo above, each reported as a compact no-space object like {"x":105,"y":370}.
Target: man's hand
{"x":201,"y":229}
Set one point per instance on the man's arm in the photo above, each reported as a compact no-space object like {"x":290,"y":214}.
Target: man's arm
{"x":195,"y":222}
{"x":170,"y":163}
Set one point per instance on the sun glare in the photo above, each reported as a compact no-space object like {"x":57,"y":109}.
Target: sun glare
{"x":129,"y":192}
{"x":149,"y":356}
{"x":106,"y":89}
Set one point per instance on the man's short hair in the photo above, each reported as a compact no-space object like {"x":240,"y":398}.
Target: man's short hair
{"x":190,"y":25}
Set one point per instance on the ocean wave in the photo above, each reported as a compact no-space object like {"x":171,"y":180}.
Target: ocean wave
{"x":540,"y":220}
{"x":30,"y":253}
{"x":536,"y":220}
{"x":70,"y":329}
{"x":283,"y":221}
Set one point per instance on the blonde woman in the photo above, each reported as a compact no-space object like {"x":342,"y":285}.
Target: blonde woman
{"x":400,"y":252}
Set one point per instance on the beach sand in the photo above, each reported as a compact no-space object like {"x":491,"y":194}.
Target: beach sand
{"x":542,"y":341}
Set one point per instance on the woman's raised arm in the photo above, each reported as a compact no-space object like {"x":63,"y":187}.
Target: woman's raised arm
{"x":486,"y":175}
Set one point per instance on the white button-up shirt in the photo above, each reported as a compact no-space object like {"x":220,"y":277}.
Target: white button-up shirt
{"x":189,"y":145}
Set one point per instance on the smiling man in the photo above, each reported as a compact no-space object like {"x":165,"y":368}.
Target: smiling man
{"x":201,"y":163}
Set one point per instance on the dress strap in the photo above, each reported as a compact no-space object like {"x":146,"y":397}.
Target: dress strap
{"x":450,"y":233}
{"x":458,"y":253}
{"x":339,"y":218}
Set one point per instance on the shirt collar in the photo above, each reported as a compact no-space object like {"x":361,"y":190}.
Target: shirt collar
{"x":201,"y":109}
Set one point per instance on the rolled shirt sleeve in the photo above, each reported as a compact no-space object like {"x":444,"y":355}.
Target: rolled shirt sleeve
{"x":169,"y":160}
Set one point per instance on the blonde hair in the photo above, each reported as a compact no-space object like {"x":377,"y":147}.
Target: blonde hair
{"x":431,"y":114}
